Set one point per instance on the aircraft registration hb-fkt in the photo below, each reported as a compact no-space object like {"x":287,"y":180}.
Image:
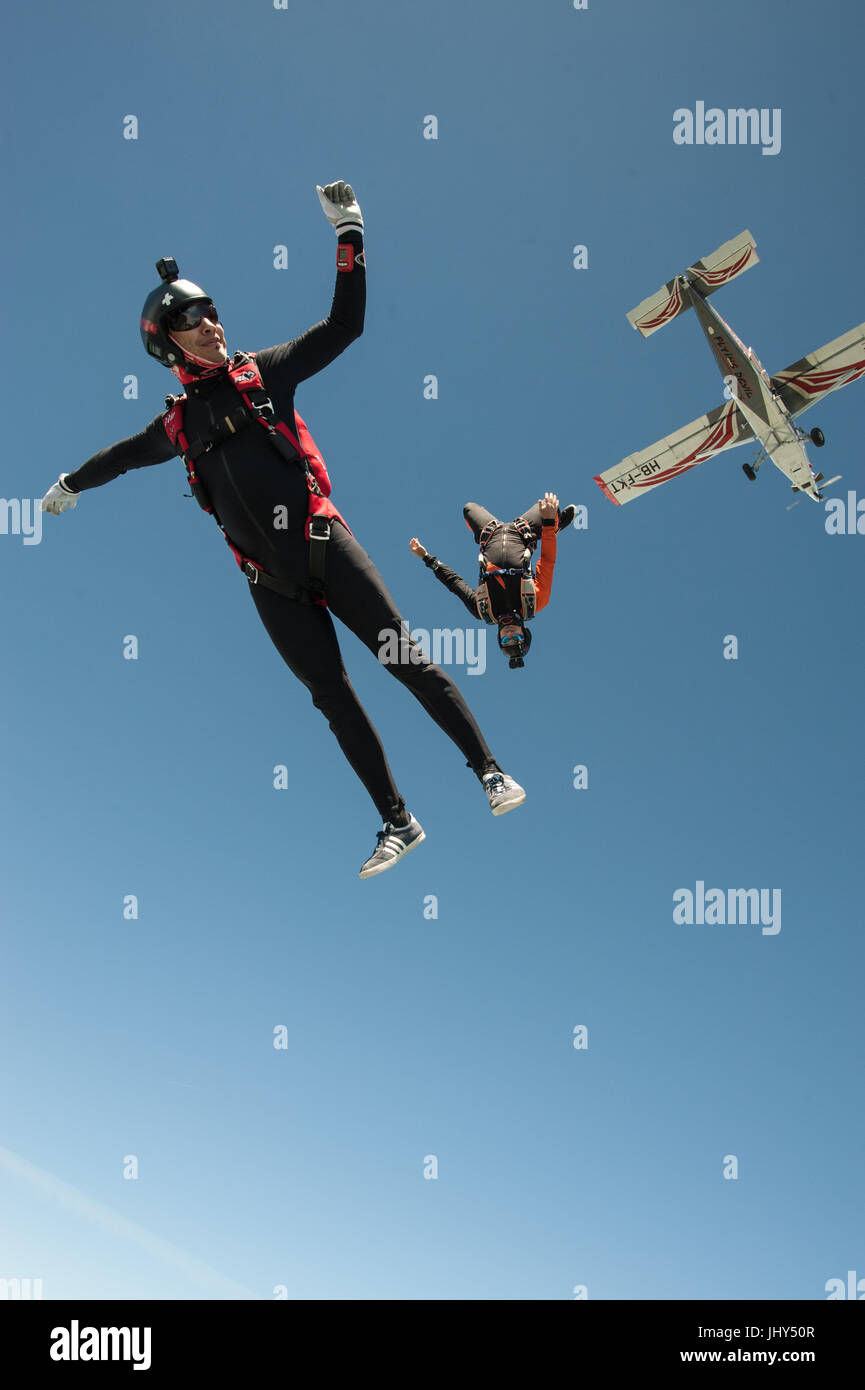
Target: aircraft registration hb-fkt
{"x":761,"y":407}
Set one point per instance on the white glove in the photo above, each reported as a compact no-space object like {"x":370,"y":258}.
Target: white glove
{"x":340,"y":206}
{"x":58,"y":497}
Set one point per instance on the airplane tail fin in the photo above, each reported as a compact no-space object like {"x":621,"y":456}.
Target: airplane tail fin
{"x":731,"y":259}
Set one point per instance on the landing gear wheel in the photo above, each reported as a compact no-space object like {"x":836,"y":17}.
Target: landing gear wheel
{"x":749,"y":472}
{"x":818,"y":439}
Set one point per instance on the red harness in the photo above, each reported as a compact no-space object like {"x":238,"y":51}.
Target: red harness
{"x":299,"y":449}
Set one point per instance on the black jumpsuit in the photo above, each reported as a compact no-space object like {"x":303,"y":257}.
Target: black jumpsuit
{"x":510,"y":553}
{"x":246,"y":480}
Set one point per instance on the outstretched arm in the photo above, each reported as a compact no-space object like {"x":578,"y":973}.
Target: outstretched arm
{"x":448,"y":577}
{"x":290,"y":363}
{"x":151,"y":446}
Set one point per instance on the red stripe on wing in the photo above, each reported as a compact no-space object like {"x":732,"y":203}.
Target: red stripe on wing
{"x":718,"y":438}
{"x":819,"y":380}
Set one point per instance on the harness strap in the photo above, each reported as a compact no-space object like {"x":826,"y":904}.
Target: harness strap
{"x":258,"y":406}
{"x":519,"y":524}
{"x":248,"y":382}
{"x":319,"y":535}
{"x":256,"y":575}
{"x":230,"y":424}
{"x":528,"y":536}
{"x":483,"y":600}
{"x":527,"y":598}
{"x":523,"y":572}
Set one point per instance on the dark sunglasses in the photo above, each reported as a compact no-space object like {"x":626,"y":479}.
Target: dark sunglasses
{"x":190,"y":317}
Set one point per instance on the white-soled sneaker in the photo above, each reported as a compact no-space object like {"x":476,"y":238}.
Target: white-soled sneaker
{"x":504,"y":793}
{"x":391,"y":844}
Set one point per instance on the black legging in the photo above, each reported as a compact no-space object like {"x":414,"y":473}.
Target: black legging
{"x":305,"y":637}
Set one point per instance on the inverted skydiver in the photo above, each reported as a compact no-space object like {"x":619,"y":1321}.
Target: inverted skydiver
{"x":252,"y":464}
{"x":509,"y":593}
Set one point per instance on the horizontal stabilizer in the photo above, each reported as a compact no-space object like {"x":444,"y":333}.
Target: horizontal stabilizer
{"x":731,"y":259}
{"x":660,"y":308}
{"x":725,"y":264}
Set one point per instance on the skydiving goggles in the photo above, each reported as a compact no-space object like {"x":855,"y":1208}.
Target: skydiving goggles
{"x":190,"y":316}
{"x":515,"y":645}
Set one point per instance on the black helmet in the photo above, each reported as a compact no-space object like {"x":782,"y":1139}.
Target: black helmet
{"x":518,"y":647}
{"x":160,"y":304}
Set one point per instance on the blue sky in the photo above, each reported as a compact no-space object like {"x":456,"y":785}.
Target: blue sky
{"x":409,"y":1036}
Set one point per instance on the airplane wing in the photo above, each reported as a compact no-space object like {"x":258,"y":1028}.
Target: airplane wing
{"x":814,"y":376}
{"x":723,"y":428}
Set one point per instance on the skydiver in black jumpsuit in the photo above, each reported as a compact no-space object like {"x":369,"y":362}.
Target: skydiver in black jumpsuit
{"x":247,"y":482}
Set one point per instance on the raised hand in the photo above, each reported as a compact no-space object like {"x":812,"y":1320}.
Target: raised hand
{"x":340,"y":206}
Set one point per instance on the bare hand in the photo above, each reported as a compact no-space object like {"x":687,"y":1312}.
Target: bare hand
{"x":417,"y":549}
{"x":549,"y":505}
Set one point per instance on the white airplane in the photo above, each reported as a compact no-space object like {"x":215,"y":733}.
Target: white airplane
{"x":759,"y":407}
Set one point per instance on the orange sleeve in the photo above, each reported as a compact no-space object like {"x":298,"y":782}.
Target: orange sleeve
{"x":544,"y":568}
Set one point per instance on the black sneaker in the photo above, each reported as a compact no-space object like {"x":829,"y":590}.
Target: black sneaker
{"x":391,"y":844}
{"x":566,"y":516}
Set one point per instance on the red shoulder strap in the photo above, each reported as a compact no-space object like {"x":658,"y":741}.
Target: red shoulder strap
{"x":173,"y":422}
{"x":245,"y":377}
{"x":245,"y":374}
